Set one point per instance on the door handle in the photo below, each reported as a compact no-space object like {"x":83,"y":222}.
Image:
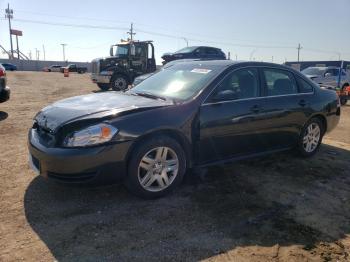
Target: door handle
{"x":255,"y":109}
{"x":302,"y":102}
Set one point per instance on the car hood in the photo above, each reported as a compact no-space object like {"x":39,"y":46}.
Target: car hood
{"x":92,"y":106}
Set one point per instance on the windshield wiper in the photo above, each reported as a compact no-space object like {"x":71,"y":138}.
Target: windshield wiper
{"x":149,"y":95}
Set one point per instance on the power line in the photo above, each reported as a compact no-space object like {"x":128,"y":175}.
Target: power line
{"x":89,"y":26}
{"x":71,"y":25}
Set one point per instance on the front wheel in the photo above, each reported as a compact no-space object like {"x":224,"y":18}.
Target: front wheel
{"x":156,"y":167}
{"x":119,"y":83}
{"x":311,"y":137}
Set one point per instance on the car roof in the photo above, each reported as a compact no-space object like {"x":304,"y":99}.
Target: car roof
{"x":228,"y":63}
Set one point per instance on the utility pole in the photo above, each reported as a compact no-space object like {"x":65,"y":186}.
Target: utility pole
{"x":272,"y":59}
{"x":131,"y":32}
{"x":299,"y":48}
{"x":30,"y":54}
{"x":186,"y":40}
{"x":9,"y":15}
{"x":64,"y":52}
{"x":44,"y":52}
{"x":228,"y":55}
{"x":236,"y":57}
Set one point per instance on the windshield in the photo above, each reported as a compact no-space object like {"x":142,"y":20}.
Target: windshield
{"x":186,"y":50}
{"x":313,"y":71}
{"x":179,"y":82}
{"x":122,"y":50}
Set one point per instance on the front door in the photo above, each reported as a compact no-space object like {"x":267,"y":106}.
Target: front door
{"x":230,"y":116}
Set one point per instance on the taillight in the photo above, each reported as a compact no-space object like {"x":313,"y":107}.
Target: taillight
{"x":2,"y":73}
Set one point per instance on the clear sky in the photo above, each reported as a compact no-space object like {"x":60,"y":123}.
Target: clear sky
{"x":250,"y":29}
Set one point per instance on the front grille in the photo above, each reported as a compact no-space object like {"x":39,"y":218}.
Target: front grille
{"x":72,"y":178}
{"x":94,"y":67}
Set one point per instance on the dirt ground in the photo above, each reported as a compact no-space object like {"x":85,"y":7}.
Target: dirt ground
{"x":275,"y":208}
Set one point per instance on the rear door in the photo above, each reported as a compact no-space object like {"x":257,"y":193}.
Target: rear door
{"x":284,"y":108}
{"x":230,"y":117}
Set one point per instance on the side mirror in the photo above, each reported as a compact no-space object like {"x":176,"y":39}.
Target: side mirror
{"x":111,"y":51}
{"x":224,"y":95}
{"x":327,"y":75}
{"x":132,"y":50}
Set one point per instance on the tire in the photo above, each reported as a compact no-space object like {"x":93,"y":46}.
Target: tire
{"x":310,"y":137}
{"x":103,"y":87}
{"x":343,"y":100}
{"x":156,"y":167}
{"x":119,"y":83}
{"x":48,"y":70}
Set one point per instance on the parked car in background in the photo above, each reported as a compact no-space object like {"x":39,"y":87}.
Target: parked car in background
{"x":4,"y":90}
{"x":195,"y":52}
{"x":190,"y":114}
{"x":9,"y":67}
{"x":53,"y":68}
{"x":74,"y":68}
{"x":328,"y":77}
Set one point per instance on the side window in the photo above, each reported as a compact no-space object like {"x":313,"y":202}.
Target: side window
{"x":240,"y":84}
{"x":304,"y":86}
{"x":332,"y":71}
{"x":279,"y":82}
{"x":210,"y":51}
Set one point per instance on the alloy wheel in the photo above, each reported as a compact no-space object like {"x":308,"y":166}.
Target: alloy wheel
{"x":158,"y":169}
{"x":311,"y":137}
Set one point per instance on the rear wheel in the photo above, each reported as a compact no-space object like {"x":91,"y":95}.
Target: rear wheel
{"x":311,"y":137}
{"x":156,"y":167}
{"x":119,"y":83}
{"x":103,"y":87}
{"x":343,"y":100}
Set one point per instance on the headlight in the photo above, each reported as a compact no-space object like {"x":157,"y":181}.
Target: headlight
{"x":92,"y":135}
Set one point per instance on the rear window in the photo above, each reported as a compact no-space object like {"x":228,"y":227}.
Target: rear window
{"x":304,"y":86}
{"x":279,"y":82}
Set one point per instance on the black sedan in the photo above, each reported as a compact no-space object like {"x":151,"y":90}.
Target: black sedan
{"x":190,"y":114}
{"x":195,"y":52}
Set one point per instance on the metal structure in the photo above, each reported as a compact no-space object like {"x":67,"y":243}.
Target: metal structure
{"x":9,"y":16}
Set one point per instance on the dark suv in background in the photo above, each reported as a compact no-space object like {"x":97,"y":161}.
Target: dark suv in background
{"x":4,"y":90}
{"x":195,"y":52}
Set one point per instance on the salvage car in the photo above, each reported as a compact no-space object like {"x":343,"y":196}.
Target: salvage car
{"x":74,"y":68}
{"x":9,"y":67}
{"x":4,"y":90}
{"x":191,"y":114}
{"x":195,"y":52}
{"x":53,"y":68}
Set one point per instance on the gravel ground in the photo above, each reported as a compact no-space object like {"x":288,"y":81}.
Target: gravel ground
{"x":275,"y":208}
